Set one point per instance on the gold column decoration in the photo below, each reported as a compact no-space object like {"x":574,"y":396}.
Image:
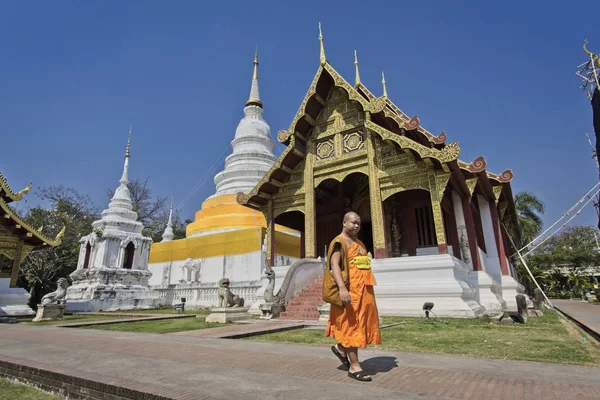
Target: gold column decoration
{"x":437,"y":187}
{"x":497,"y":192}
{"x":471,"y":184}
{"x":16,"y":264}
{"x":309,"y":204}
{"x":377,"y":222}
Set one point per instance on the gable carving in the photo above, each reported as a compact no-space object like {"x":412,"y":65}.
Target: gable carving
{"x":339,"y":114}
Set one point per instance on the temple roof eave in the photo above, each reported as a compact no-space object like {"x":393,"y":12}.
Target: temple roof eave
{"x":30,"y":235}
{"x":402,"y":120}
{"x":431,"y":147}
{"x":361,"y":94}
{"x":8,"y":194}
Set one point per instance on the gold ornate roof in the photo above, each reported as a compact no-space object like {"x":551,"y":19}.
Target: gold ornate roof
{"x":20,"y":228}
{"x":385,"y":119}
{"x":13,"y":229}
{"x":8,"y":194}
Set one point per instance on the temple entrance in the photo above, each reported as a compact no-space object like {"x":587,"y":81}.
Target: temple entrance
{"x":410,"y":225}
{"x":332,"y":200}
{"x":293,"y":220}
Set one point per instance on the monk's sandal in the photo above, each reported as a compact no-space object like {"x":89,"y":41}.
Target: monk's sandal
{"x":360,"y":376}
{"x":343,"y":359}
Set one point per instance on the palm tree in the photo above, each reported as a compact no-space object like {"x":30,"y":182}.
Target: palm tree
{"x":529,"y":222}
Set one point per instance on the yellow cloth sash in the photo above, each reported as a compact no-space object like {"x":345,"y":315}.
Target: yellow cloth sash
{"x":361,"y":262}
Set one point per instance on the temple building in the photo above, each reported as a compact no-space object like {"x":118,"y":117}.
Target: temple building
{"x":112,"y":269}
{"x":226,"y":239}
{"x":17,"y":241}
{"x":433,"y":223}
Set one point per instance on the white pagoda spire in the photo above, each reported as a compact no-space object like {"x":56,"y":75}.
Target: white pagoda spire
{"x":168,"y":234}
{"x":252,"y":146}
{"x":125,"y":177}
{"x":254,"y":98}
{"x":119,"y":216}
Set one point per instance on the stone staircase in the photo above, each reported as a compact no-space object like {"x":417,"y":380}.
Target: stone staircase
{"x":304,"y":305}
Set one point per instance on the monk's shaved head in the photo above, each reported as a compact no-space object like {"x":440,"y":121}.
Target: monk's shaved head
{"x":350,"y":214}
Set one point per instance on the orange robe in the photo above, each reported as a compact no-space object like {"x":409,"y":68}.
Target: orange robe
{"x":356,"y":324}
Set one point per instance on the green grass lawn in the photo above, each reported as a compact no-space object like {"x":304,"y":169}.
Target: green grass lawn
{"x":160,"y":326}
{"x":12,"y":390}
{"x":72,"y":318}
{"x":545,"y":339}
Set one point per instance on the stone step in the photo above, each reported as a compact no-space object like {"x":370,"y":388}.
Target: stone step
{"x":305,"y":315}
{"x":304,"y":305}
{"x":301,"y":309}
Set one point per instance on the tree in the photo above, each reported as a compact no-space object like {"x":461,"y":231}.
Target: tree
{"x":565,"y":260}
{"x":153,"y":212}
{"x":67,"y":208}
{"x":529,"y":222}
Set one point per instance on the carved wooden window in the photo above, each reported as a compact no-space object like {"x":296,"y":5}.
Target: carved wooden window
{"x":88,"y":252}
{"x":425,"y":227}
{"x":128,"y":256}
{"x":325,"y":149}
{"x":353,"y":142}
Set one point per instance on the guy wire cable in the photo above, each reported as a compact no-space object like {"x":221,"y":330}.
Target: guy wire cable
{"x":563,"y":225}
{"x":561,"y":218}
{"x":525,"y":265}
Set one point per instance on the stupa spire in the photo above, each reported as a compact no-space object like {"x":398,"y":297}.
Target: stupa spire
{"x":357,"y":78}
{"x":385,"y":94}
{"x":254,"y":98}
{"x":168,"y":234}
{"x":322,"y":57}
{"x":125,"y":177}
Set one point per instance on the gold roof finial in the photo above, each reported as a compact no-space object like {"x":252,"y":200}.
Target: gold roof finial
{"x":383,"y":83}
{"x":255,"y":74}
{"x":357,"y":79}
{"x":322,"y":58}
{"x":593,"y":56}
{"x":127,"y":151}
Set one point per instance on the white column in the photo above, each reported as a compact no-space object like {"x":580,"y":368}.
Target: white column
{"x":461,"y":227}
{"x":493,"y":262}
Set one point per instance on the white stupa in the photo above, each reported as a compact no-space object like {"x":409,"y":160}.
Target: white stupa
{"x":112,"y":269}
{"x":252,"y":146}
{"x":225,"y":240}
{"x":168,"y":234}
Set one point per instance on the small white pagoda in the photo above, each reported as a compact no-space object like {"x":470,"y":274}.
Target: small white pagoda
{"x":112,"y":270}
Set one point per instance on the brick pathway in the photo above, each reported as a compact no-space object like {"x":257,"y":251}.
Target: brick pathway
{"x":181,"y":367}
{"x":583,"y":313}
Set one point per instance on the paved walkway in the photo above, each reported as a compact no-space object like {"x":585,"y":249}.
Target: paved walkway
{"x":238,"y":331}
{"x":181,"y":367}
{"x":586,"y":314}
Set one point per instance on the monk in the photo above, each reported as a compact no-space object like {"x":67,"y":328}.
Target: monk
{"x":355,"y":323}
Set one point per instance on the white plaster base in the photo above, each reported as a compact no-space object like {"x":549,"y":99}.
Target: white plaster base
{"x":280,"y":273}
{"x":509,"y":291}
{"x":324,"y":311}
{"x":109,"y":289}
{"x":488,"y":292}
{"x":271,"y":310}
{"x":50,"y":312}
{"x":227,"y":315}
{"x":13,"y":301}
{"x":405,"y":283}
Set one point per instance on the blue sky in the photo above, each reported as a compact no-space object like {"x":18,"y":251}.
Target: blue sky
{"x":499,"y":78}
